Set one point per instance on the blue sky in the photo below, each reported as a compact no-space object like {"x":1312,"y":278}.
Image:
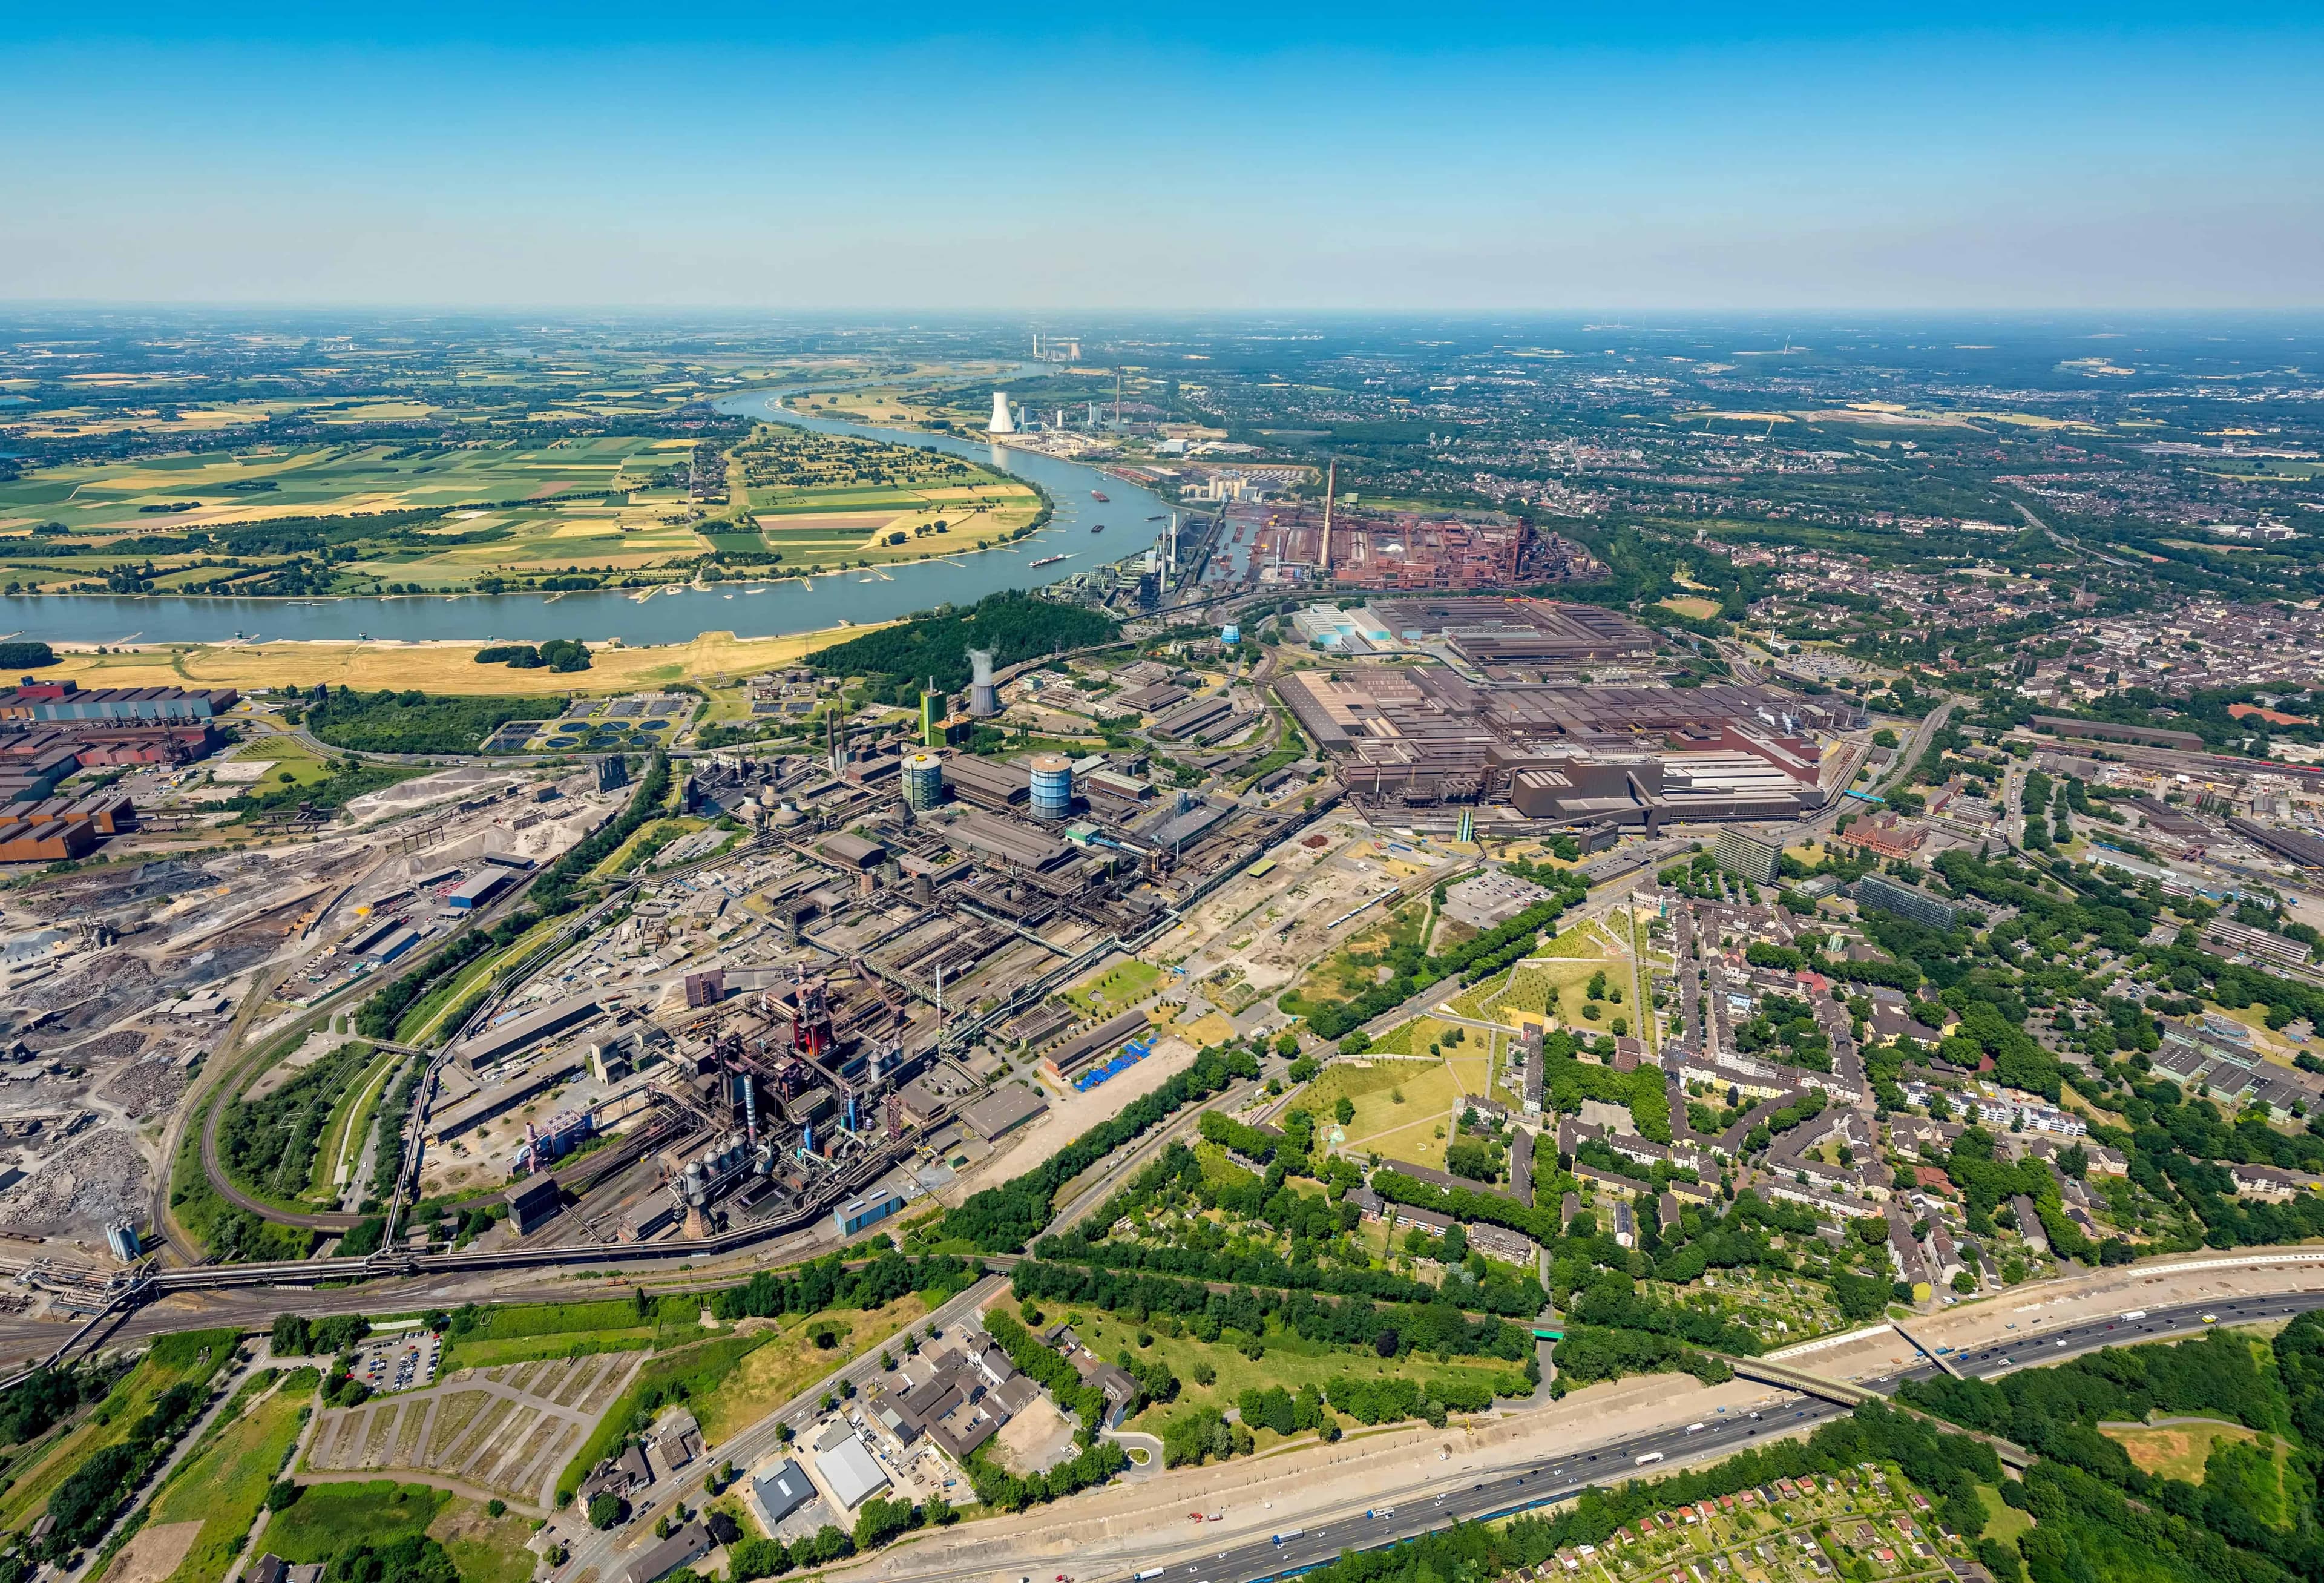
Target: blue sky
{"x":1202,"y":156}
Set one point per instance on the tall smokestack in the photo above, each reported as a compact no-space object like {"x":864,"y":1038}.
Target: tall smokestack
{"x":1330,"y":489}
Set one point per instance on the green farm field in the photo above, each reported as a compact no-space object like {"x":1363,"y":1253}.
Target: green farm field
{"x":227,"y":486}
{"x":823,"y":501}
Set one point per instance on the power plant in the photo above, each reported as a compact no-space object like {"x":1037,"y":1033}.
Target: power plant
{"x":983,"y":696}
{"x":1002,"y":422}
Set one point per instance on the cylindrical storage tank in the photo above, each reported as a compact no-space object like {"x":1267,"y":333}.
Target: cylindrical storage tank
{"x":923,"y":780}
{"x":1053,"y":785}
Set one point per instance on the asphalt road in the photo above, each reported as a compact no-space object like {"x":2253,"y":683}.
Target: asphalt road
{"x":1405,"y":1514}
{"x":1127,"y":1163}
{"x":590,"y":1550}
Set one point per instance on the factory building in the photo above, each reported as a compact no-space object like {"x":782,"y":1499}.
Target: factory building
{"x":478,"y":889}
{"x":983,"y":783}
{"x":505,"y":1039}
{"x":65,"y":700}
{"x":51,"y":842}
{"x":1616,"y":756}
{"x":870,"y":1210}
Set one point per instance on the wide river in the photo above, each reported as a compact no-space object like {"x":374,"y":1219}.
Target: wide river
{"x":780,"y":605}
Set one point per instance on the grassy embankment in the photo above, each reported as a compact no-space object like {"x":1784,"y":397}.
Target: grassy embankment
{"x":1291,"y":1361}
{"x":734,"y":1377}
{"x":349,"y":1125}
{"x":330,"y":1517}
{"x":198,"y":1208}
{"x":225,"y":1483}
{"x":432,"y":1013}
{"x":191,"y":1358}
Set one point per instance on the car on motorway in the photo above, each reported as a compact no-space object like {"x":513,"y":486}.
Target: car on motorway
{"x":2210,"y":1318}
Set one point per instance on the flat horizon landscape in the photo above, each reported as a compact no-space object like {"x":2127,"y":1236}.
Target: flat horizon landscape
{"x":913,"y":795}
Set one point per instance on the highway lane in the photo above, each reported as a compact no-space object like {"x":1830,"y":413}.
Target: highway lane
{"x":1508,"y":1489}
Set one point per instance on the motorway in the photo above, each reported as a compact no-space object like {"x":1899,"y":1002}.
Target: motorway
{"x":1544,"y":1481}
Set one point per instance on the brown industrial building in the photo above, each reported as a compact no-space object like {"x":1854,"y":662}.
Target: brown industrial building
{"x":102,"y":742}
{"x":1326,"y":544}
{"x":1586,"y":755}
{"x":108,"y":812}
{"x":67,"y":700}
{"x":50,"y":842}
{"x":1499,"y":634}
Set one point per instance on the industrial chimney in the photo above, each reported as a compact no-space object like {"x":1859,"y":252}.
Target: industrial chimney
{"x":1330,"y":488}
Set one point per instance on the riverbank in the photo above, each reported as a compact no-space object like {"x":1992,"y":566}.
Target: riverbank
{"x":710,"y":658}
{"x":777,"y":603}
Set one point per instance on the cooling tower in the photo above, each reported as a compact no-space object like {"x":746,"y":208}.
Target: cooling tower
{"x":984,"y":698}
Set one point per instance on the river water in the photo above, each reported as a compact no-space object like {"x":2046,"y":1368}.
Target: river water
{"x":783,"y":605}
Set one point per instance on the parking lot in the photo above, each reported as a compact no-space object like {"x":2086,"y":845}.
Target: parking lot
{"x":400,"y":1363}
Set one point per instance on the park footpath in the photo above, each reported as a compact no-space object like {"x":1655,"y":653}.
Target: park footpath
{"x":228,"y":1381}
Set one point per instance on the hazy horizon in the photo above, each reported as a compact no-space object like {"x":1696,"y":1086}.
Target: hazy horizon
{"x":1484,"y":159}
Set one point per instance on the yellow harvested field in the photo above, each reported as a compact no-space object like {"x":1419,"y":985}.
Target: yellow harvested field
{"x":154,"y":1553}
{"x":839,"y":526}
{"x":439,"y":667}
